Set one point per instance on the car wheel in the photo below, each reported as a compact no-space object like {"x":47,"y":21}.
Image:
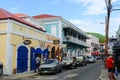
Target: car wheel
{"x":55,"y":72}
{"x":85,"y":64}
{"x":61,"y":69}
{"x":40,"y":73}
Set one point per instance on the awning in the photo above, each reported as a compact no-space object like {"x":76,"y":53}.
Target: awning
{"x":38,"y":51}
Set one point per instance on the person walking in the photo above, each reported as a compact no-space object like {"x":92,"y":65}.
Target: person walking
{"x":1,"y":68}
{"x":37,"y":61}
{"x":111,"y":67}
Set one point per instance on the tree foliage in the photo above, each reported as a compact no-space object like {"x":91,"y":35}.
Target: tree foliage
{"x":99,"y":36}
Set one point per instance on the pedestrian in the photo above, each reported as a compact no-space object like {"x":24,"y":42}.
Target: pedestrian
{"x":37,"y":62}
{"x":1,"y":68}
{"x":111,"y":67}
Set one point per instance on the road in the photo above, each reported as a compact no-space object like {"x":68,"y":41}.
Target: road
{"x":89,"y":72}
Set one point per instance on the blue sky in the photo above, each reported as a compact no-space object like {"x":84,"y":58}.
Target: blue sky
{"x":85,"y":14}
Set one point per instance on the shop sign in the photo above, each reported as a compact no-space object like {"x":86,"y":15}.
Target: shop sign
{"x":64,"y":45}
{"x":56,"y":41}
{"x":27,"y":42}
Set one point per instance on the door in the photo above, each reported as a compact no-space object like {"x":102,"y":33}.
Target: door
{"x":32,"y":58}
{"x":22,"y":59}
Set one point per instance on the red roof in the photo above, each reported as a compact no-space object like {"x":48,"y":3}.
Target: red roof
{"x":7,"y":15}
{"x":44,"y":16}
{"x":21,"y":15}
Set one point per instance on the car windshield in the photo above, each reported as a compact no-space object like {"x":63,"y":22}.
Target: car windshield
{"x":49,"y":62}
{"x":67,"y":58}
{"x":90,"y":57}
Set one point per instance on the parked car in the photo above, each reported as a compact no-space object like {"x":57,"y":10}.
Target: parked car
{"x":81,"y":60}
{"x":98,"y":57}
{"x":69,"y":62}
{"x":90,"y":59}
{"x":51,"y":66}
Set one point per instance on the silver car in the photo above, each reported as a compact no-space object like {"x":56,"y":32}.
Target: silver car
{"x":51,"y":66}
{"x":69,"y":62}
{"x":90,"y":59}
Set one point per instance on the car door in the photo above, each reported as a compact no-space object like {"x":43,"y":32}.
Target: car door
{"x":58,"y":65}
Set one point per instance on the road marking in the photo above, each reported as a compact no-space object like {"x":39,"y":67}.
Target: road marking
{"x":51,"y":78}
{"x":70,"y":75}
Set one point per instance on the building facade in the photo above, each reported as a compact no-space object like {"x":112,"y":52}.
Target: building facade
{"x":72,"y":39}
{"x":20,"y":42}
{"x":94,"y":42}
{"x":54,"y":49}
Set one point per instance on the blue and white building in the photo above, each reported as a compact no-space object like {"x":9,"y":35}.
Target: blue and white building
{"x":72,"y":39}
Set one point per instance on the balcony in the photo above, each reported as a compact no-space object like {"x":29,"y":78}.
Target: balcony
{"x":76,"y":41}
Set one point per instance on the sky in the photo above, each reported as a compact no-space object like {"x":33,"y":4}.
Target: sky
{"x":88,"y":15}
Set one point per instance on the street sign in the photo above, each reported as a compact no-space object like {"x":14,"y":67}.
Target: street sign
{"x":27,"y":42}
{"x":64,"y":45}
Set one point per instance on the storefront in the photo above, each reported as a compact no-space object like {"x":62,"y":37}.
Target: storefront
{"x":20,"y":42}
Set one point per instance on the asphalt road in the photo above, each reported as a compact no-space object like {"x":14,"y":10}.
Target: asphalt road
{"x":89,"y":72}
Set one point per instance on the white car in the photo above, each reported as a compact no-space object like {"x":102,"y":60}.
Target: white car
{"x":90,"y":59}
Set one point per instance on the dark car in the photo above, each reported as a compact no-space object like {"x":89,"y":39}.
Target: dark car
{"x":51,"y":66}
{"x":69,"y":62}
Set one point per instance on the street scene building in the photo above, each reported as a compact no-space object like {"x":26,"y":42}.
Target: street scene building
{"x":73,"y":39}
{"x":95,"y":47}
{"x":21,"y":41}
{"x":52,"y":43}
{"x":59,"y":40}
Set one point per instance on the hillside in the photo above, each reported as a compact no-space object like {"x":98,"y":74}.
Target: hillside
{"x":99,"y":36}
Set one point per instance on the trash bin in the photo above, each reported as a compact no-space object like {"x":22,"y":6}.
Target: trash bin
{"x":1,"y":68}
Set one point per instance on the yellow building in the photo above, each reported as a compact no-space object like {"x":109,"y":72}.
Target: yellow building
{"x":19,"y":43}
{"x":54,"y":49}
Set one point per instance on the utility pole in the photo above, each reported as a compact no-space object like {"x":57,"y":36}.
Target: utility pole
{"x":107,"y":19}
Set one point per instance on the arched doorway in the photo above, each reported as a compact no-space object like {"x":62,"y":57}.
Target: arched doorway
{"x":53,"y":52}
{"x":22,"y":59}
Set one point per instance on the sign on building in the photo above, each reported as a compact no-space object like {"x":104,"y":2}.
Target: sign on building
{"x":56,"y":41}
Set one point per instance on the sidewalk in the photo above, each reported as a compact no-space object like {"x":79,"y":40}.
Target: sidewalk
{"x":19,"y":75}
{"x":104,"y":75}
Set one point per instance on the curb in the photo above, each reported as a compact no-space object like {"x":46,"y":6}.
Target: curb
{"x":19,"y":76}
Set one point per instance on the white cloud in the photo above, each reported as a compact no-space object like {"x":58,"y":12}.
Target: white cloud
{"x":93,"y":7}
{"x":89,"y":26}
{"x":95,"y":26}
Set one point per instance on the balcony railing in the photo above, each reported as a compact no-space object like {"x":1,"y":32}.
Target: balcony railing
{"x":75,"y":40}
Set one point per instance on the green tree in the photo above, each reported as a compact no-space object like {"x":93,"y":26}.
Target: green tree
{"x":99,"y":36}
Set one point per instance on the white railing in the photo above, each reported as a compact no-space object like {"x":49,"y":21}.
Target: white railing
{"x":75,"y":40}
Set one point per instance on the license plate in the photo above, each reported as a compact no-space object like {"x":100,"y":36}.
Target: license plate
{"x":45,"y":71}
